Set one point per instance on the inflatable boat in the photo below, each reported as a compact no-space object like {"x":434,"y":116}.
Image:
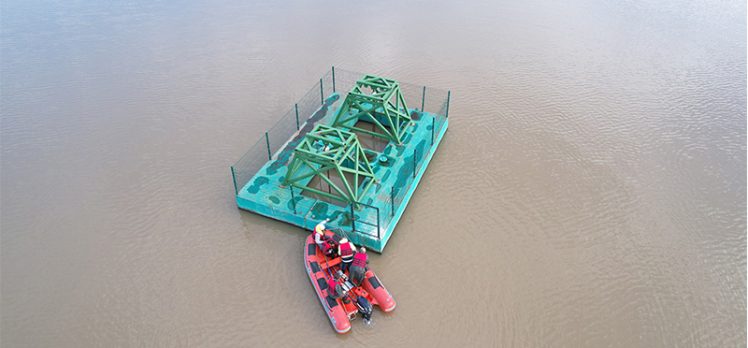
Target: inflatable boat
{"x":358,"y":300}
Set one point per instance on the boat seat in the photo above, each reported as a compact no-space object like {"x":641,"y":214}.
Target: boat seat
{"x":315,"y":266}
{"x":330,"y":263}
{"x":322,"y":283}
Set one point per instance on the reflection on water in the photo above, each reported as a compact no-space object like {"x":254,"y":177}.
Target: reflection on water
{"x":590,"y":191}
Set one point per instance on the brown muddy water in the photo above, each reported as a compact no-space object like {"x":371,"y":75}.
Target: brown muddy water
{"x":591,"y":190}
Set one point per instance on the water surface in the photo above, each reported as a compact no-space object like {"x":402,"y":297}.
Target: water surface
{"x":591,"y":190}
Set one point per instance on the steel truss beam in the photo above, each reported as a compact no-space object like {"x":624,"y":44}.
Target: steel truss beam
{"x":379,"y":101}
{"x":329,"y":149}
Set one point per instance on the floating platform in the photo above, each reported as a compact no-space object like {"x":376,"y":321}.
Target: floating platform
{"x":356,"y":159}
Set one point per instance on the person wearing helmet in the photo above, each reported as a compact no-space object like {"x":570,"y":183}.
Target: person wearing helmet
{"x":321,"y":240}
{"x":358,"y":267}
{"x":345,"y":250}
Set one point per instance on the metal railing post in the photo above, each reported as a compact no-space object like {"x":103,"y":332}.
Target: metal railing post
{"x":377,"y":222}
{"x":296,"y":107}
{"x":333,"y":79}
{"x":353,"y":220}
{"x":415,"y":154}
{"x":433,"y":126}
{"x":322,"y":93}
{"x":392,"y":199}
{"x":293,"y":199}
{"x":233,"y":178}
{"x":267,"y":142}
{"x":423,"y":100}
{"x":446,"y":113}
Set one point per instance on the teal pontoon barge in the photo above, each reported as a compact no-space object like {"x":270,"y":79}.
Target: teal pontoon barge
{"x":353,"y":150}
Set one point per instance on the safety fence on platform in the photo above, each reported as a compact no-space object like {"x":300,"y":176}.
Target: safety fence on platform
{"x":437,"y":111}
{"x":430,"y":103}
{"x":295,"y":123}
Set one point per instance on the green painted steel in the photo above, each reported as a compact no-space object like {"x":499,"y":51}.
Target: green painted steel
{"x":449,"y":95}
{"x":302,"y":211}
{"x":306,"y":169}
{"x":333,"y":79}
{"x":329,"y":149}
{"x":379,"y":101}
{"x":433,"y":128}
{"x":233,"y":179}
{"x":293,"y":199}
{"x":321,"y":92}
{"x":267,"y":142}
{"x":423,"y":98}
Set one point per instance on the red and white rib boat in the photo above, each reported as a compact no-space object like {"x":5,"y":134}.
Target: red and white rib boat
{"x":342,"y":310}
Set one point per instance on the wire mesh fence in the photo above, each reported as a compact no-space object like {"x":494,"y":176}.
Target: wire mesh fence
{"x":292,"y":125}
{"x":250,"y":163}
{"x":423,"y":103}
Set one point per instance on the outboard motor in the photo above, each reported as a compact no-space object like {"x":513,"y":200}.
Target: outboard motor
{"x":365,"y":308}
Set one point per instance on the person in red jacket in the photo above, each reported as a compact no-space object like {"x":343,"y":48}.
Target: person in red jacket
{"x":334,"y":288}
{"x":345,"y":250}
{"x":358,"y":266}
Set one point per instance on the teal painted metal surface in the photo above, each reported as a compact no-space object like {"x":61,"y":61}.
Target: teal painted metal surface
{"x":397,"y":169}
{"x":306,"y":212}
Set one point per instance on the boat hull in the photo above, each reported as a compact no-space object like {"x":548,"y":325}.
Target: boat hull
{"x":339,"y":311}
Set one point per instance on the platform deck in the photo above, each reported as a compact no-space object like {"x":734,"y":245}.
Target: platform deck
{"x":376,"y":219}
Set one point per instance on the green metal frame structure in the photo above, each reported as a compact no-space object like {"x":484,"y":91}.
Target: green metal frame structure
{"x":379,"y":101}
{"x":326,"y":149}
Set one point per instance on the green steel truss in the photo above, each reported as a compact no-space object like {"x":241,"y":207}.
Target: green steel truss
{"x":379,"y":101}
{"x":329,"y":149}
